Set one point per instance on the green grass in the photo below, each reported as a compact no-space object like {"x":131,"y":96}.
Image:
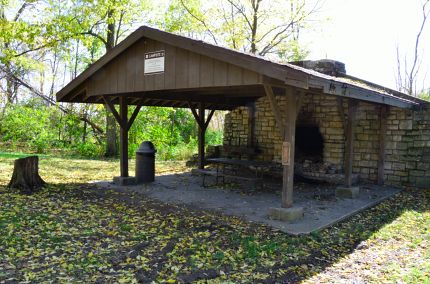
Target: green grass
{"x":70,"y":232}
{"x":15,"y":155}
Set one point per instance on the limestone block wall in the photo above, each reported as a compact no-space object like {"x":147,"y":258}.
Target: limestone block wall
{"x":408,"y":137}
{"x":408,"y":147}
{"x":317,"y":110}
{"x":366,"y":144}
{"x":322,"y":111}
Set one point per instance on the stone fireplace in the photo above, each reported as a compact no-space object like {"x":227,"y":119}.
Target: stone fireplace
{"x":309,"y":154}
{"x":309,"y":144}
{"x":320,"y":136}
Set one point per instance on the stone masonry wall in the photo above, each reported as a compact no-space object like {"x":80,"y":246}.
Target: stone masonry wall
{"x":366,"y":145}
{"x":407,"y":148}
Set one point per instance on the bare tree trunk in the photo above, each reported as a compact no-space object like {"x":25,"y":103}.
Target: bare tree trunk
{"x":111,"y":128}
{"x":26,"y":175}
{"x":254,"y":27}
{"x":406,"y":79}
{"x":84,"y":134}
{"x":111,"y":134}
{"x":10,"y":85}
{"x":54,"y":72}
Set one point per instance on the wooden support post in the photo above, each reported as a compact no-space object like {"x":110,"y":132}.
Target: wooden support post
{"x":300,"y":96}
{"x":203,"y":125}
{"x":251,"y":125}
{"x":350,"y":135}
{"x":287,"y":130}
{"x":341,"y":111}
{"x":125,"y":125}
{"x":201,"y":138}
{"x":123,"y":107}
{"x":288,"y":149}
{"x":383,"y":113}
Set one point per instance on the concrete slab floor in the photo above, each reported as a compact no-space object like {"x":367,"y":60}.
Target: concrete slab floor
{"x":321,"y":207}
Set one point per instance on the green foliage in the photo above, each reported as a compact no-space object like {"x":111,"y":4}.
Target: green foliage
{"x":38,"y":128}
{"x":214,"y":137}
{"x":171,"y":131}
{"x":35,"y":127}
{"x":90,"y":150}
{"x":425,"y":95}
{"x":180,"y":20}
{"x":24,"y":123}
{"x":266,"y":28}
{"x":42,"y":42}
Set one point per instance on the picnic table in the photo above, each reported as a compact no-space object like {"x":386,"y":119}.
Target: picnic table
{"x":233,"y":168}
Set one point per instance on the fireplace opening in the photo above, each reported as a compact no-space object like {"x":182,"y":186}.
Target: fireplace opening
{"x":309,"y":144}
{"x":309,"y":163}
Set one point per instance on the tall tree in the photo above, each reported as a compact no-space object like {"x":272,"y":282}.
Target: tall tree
{"x":29,"y":43}
{"x":100,"y":25}
{"x":407,"y":72}
{"x":16,"y":36}
{"x":262,"y":27}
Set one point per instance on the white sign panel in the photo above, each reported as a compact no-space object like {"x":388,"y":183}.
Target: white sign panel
{"x":286,"y":148}
{"x":154,"y":62}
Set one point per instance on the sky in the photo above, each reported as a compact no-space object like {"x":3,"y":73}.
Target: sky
{"x":363,"y":34}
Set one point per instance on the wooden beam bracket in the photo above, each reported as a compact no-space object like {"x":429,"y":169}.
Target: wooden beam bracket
{"x":196,"y":115}
{"x":134,"y":115}
{"x":201,"y":120}
{"x":208,"y":119}
{"x":122,"y":123}
{"x":112,"y":109}
{"x":275,"y":108}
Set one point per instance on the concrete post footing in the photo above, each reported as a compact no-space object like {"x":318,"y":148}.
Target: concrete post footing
{"x":347,"y":192}
{"x":286,"y":214}
{"x":124,"y":181}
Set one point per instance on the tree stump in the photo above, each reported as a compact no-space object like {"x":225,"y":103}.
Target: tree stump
{"x":26,"y":175}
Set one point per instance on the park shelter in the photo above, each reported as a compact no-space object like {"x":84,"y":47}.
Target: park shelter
{"x":155,"y":68}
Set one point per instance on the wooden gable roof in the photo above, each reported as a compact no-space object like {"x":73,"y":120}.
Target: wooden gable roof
{"x":196,"y":71}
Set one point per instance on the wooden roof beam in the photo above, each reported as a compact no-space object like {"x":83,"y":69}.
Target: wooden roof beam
{"x":352,"y":92}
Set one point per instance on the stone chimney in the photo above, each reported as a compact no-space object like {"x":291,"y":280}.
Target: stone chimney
{"x":325,"y":66}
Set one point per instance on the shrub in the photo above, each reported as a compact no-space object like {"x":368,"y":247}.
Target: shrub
{"x":89,"y":150}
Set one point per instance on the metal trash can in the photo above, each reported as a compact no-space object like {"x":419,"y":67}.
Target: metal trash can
{"x":145,"y":162}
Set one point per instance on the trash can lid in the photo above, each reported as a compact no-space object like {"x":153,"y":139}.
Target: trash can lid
{"x":146,"y":147}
